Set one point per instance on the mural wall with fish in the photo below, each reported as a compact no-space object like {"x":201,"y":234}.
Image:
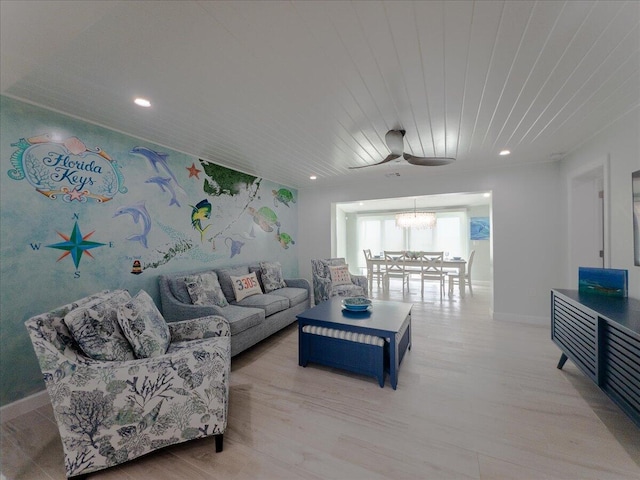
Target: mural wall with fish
{"x":85,"y":209}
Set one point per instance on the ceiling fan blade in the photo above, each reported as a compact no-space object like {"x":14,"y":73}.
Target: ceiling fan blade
{"x":388,"y":159}
{"x":394,"y":141}
{"x":428,"y":161}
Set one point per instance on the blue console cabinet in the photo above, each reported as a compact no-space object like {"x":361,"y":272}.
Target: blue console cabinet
{"x":601,"y":335}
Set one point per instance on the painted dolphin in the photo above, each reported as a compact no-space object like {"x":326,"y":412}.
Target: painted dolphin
{"x":165,"y":184}
{"x":137,"y":211}
{"x":156,"y":158}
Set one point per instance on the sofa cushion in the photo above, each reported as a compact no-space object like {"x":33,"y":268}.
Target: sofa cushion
{"x":224,"y":277}
{"x":96,"y":330}
{"x":295,"y":295}
{"x":204,"y":289}
{"x":272,"y":278}
{"x":245,"y":286}
{"x":178,"y":287}
{"x":143,"y":325}
{"x":268,"y":302}
{"x":242,"y":318}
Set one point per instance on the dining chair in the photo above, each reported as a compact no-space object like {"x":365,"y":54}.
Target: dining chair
{"x":395,"y":267}
{"x":454,"y":279}
{"x":373,"y":270}
{"x":431,"y":269}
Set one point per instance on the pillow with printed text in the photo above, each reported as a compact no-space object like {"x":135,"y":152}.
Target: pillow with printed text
{"x":245,"y":286}
{"x":340,"y":275}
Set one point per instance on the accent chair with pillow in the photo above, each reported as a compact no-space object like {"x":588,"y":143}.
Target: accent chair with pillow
{"x":331,"y":278}
{"x":123,"y":382}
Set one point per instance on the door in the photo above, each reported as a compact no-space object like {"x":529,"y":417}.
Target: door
{"x":587,"y":221}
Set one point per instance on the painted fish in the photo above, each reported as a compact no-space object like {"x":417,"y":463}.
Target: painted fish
{"x":250,"y":235}
{"x":137,"y":211}
{"x":155,"y":159}
{"x":201,"y":212}
{"x":165,"y":184}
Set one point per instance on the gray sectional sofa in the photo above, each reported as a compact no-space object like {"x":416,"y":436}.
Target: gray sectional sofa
{"x":252,"y":319}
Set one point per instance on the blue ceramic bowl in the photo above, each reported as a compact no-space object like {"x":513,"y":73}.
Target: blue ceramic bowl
{"x":356,"y":304}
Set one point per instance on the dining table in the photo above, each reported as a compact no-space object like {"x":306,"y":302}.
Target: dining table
{"x":455,"y":263}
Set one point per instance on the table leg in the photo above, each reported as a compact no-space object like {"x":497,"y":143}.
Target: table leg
{"x":302,"y":352}
{"x":563,"y":359}
{"x":461,"y":275}
{"x":393,"y":361}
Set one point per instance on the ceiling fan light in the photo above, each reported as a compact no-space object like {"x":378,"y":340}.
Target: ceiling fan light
{"x":394,"y":141}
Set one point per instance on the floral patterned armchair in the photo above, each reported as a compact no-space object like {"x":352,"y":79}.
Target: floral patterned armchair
{"x":109,"y":412}
{"x":324,"y":287}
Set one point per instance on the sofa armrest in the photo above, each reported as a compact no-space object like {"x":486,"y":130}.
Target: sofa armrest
{"x":298,"y":283}
{"x":197,"y":328}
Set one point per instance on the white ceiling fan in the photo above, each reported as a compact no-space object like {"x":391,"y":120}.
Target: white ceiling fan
{"x":394,"y":140}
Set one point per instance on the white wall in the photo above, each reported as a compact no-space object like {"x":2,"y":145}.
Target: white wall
{"x":620,"y":145}
{"x":529,"y":238}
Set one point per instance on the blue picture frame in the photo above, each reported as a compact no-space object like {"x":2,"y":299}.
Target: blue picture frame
{"x":610,"y":282}
{"x":479,"y":228}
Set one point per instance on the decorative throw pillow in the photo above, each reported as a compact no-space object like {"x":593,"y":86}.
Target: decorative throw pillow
{"x":340,"y":275}
{"x":245,"y":286}
{"x":144,"y":326}
{"x":272,"y":276}
{"x":96,"y":330}
{"x":204,"y":289}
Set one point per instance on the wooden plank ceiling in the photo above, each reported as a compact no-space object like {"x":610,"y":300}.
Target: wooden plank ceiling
{"x":284,"y":90}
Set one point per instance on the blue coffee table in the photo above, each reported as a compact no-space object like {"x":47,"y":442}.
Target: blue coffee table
{"x":368,"y":343}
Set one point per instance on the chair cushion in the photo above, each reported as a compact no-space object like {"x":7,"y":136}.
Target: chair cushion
{"x":144,"y":327}
{"x":245,"y":286}
{"x":269,"y":302}
{"x":96,"y":330}
{"x":348,"y":290}
{"x":272,"y":278}
{"x":242,"y":318}
{"x":204,"y":289}
{"x":340,"y":275}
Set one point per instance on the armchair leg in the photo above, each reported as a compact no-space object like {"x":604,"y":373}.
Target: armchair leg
{"x":218,"y":442}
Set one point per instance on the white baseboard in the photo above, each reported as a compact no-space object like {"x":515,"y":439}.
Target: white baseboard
{"x":24,"y":405}
{"x":519,"y":318}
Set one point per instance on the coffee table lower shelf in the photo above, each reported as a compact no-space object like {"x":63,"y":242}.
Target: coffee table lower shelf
{"x":346,"y":354}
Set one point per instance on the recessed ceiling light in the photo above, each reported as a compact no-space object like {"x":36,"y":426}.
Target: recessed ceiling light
{"x":505,"y":152}
{"x":486,"y":195}
{"x":143,"y":102}
{"x":312,"y":177}
{"x":361,"y":203}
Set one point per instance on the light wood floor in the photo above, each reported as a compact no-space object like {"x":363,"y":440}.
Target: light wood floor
{"x":476,"y":399}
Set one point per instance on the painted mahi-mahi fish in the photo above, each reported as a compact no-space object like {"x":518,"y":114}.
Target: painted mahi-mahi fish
{"x":200,"y":213}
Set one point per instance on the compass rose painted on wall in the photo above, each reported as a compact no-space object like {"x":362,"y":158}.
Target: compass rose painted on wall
{"x":75,"y":245}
